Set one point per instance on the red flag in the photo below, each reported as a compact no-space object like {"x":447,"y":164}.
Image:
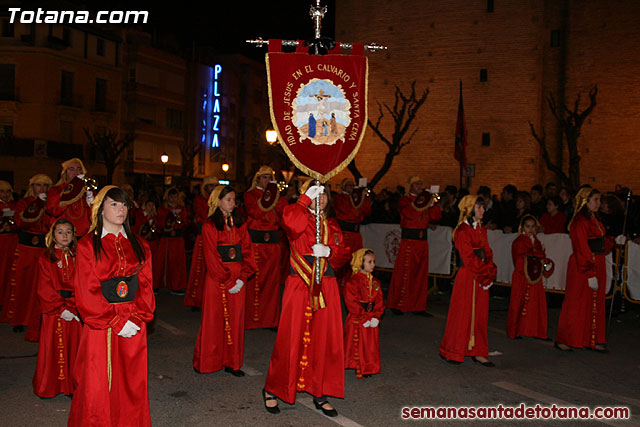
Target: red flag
{"x":460,"y":152}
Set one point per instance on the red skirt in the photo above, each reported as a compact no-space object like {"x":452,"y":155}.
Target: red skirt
{"x":195,"y":285}
{"x":262,"y":304}
{"x":170,"y":265}
{"x":8,"y":244}
{"x":527,"y":315}
{"x":409,"y":285}
{"x":361,"y":347}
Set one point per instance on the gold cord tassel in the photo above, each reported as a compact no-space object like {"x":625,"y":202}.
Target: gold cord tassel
{"x":306,"y":340}
{"x":472,"y":338}
{"x":227,"y":326}
{"x":109,"y":372}
{"x":60,"y":346}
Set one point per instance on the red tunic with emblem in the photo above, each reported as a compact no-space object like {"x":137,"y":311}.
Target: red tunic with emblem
{"x":468,"y":317}
{"x":59,"y":338}
{"x":410,"y":279}
{"x":527,"y":315}
{"x":171,"y":264}
{"x":78,"y":212}
{"x":349,"y":217}
{"x":362,"y":345}
{"x":111,"y":371}
{"x":220,"y":340}
{"x":8,"y":243}
{"x":263,"y":290}
{"x":21,"y":306}
{"x":315,"y":363}
{"x":582,"y":318}
{"x":553,"y":224}
{"x":195,"y":285}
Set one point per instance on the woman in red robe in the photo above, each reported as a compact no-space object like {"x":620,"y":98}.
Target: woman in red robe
{"x":61,"y":327}
{"x":69,"y":198}
{"x":227,"y":252}
{"x":582,"y":318}
{"x":410,"y":279}
{"x":364,"y":302}
{"x":264,"y":208}
{"x":21,"y":306}
{"x":527,"y":315}
{"x":171,"y":263}
{"x":308,"y":354}
{"x":553,"y":220}
{"x":114,"y":296}
{"x":468,"y":317}
{"x":195,"y":284}
{"x":8,"y":236}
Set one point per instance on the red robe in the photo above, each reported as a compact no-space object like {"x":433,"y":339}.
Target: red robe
{"x":195,"y":284}
{"x":171,"y":262}
{"x":220,"y":340}
{"x":582,"y":318}
{"x":345,"y":211}
{"x":553,"y":224}
{"x":58,"y":338}
{"x":121,"y":398}
{"x":8,"y":243}
{"x":21,"y":306}
{"x":314,"y":364}
{"x":410,"y":278}
{"x":78,"y":212}
{"x":362,"y":345}
{"x":527,"y":315}
{"x":263,"y":290}
{"x":153,"y":240}
{"x":466,"y":330}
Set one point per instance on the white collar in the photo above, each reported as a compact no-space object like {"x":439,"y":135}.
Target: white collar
{"x":121,"y":231}
{"x":259,"y":188}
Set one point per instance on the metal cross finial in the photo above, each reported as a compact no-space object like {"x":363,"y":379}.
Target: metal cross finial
{"x":317,"y":13}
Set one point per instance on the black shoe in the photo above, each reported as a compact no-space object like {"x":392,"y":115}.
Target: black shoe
{"x":18,"y":328}
{"x":453,"y":362}
{"x":556,"y":345}
{"x":487,"y":363}
{"x":194,"y":309}
{"x":328,"y":412}
{"x":274,"y":329}
{"x":422,"y":313}
{"x":268,"y":396}
{"x":180,"y":292}
{"x":397,"y":312}
{"x":234,"y":372}
{"x":366,"y":376}
{"x":518,"y":337}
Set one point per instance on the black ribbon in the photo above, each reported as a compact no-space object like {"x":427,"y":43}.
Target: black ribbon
{"x":320,"y":46}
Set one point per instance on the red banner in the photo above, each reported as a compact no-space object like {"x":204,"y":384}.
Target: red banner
{"x":319,"y":108}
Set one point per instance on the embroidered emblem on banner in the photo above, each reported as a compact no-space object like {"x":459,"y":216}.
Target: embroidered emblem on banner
{"x":392,"y":245}
{"x":122,"y":290}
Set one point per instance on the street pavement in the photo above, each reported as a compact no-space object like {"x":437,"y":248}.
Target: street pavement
{"x":527,"y":371}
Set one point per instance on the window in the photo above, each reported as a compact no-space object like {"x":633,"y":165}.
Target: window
{"x":66,"y":131}
{"x":489,"y":6}
{"x":101,"y":95}
{"x":484,"y":75}
{"x":66,"y":36}
{"x":174,"y":119}
{"x":6,"y":131}
{"x":556,"y":38}
{"x":66,"y":89}
{"x":7,"y":82}
{"x":7,"y":28}
{"x":100,"y":47}
{"x":486,"y":139}
{"x":132,"y":75}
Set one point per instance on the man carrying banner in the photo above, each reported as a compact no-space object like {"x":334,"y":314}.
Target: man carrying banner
{"x":264,"y":207}
{"x":410,"y":279}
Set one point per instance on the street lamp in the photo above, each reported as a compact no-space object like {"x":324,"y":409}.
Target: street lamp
{"x":164,"y":158}
{"x":225,"y":169}
{"x":272,"y":136}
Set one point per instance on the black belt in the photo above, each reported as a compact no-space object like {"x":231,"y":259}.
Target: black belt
{"x":230,"y":253}
{"x":353,"y":227}
{"x":199,"y":225}
{"x":311,"y":259}
{"x":120,"y":289}
{"x":479,"y":252}
{"x":596,"y":245}
{"x":172,"y":233}
{"x":65,"y":294}
{"x":368,"y":306}
{"x":31,"y":239}
{"x":414,"y":233}
{"x":264,"y":236}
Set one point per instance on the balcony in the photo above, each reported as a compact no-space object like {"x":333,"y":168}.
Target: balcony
{"x":66,"y":100}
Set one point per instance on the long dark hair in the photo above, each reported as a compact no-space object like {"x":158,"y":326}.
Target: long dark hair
{"x":118,"y":195}
{"x":585,"y":209}
{"x":51,"y":249}
{"x":218,"y":217}
{"x":472,"y":217}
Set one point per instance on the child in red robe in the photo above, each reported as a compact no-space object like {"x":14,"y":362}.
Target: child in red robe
{"x":527,"y":314}
{"x":363,"y":298}
{"x":61,"y":328}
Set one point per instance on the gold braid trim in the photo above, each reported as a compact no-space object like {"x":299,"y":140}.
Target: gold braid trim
{"x":109,"y":368}
{"x":472,"y":337}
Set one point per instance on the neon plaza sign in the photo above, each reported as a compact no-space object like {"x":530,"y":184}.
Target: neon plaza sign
{"x":211,"y":111}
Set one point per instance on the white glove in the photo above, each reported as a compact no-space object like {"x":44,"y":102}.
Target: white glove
{"x":175,"y":211}
{"x":68,"y":316}
{"x":593,"y":283}
{"x":488,"y":286}
{"x":43,"y":196}
{"x":547,"y":267}
{"x":237,"y":287}
{"x":129,"y":329}
{"x":150,"y":221}
{"x":81,"y":176}
{"x":320,"y":250}
{"x":374,"y":323}
{"x":7,"y":212}
{"x":314,"y":191}
{"x":621,"y":239}
{"x":367,"y":324}
{"x":89,"y":196}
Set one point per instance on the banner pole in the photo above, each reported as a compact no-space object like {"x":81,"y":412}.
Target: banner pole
{"x":317,"y":212}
